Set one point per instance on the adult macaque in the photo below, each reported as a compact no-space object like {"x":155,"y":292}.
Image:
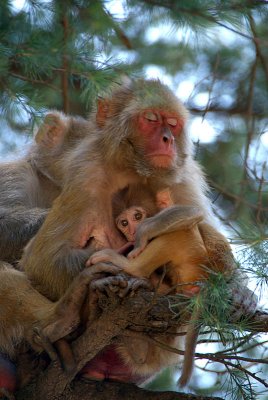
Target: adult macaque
{"x":28,"y":186}
{"x":138,"y":137}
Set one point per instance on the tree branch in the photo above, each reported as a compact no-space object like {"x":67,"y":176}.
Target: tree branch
{"x":152,"y":314}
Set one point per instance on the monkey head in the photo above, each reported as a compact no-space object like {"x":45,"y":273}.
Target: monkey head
{"x":144,"y":123}
{"x":55,"y":138}
{"x":128,"y":221}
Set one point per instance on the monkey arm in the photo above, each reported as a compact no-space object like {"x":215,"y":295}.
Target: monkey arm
{"x":168,"y":220}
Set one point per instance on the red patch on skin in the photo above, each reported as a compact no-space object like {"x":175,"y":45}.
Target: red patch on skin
{"x":192,"y":291}
{"x":8,"y":375}
{"x":108,"y":364}
{"x":159,"y":136}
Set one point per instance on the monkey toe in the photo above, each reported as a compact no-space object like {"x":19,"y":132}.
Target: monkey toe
{"x":110,"y":284}
{"x":134,"y":284}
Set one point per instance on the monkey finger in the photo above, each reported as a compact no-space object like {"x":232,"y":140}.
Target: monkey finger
{"x":41,"y":340}
{"x":135,"y":252}
{"x":140,"y":283}
{"x":133,"y":285}
{"x":102,"y":267}
{"x":112,"y":283}
{"x":100,"y":256}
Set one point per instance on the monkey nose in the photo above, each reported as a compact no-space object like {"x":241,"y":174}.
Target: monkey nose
{"x":168,"y":138}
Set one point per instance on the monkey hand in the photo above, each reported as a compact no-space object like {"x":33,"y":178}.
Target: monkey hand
{"x":136,"y":251}
{"x":107,"y":255}
{"x":143,"y":237}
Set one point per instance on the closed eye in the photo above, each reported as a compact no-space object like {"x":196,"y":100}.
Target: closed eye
{"x":150,"y":116}
{"x":172,"y":121}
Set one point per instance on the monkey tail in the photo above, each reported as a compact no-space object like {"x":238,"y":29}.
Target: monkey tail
{"x":189,"y":351}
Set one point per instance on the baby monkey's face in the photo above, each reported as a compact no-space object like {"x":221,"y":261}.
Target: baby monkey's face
{"x":128,"y":221}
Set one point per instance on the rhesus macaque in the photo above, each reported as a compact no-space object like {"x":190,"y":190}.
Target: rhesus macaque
{"x":28,"y":186}
{"x":137,"y":136}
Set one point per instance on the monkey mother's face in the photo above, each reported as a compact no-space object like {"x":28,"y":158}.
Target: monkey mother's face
{"x":158,"y":131}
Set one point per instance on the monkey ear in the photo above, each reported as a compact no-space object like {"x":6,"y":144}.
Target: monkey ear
{"x":163,"y":199}
{"x":103,"y":111}
{"x":51,"y":132}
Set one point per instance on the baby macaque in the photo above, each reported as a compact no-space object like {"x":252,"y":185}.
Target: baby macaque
{"x":177,"y":238}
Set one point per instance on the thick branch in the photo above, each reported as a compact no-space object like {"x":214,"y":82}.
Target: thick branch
{"x":149,"y":313}
{"x":114,"y":391}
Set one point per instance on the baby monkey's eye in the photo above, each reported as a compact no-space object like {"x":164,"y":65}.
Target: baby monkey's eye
{"x":124,"y":222}
{"x":172,"y":121}
{"x":151,"y":116}
{"x":138,"y":216}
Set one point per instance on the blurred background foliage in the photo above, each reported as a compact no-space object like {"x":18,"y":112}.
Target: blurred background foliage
{"x":62,"y":54}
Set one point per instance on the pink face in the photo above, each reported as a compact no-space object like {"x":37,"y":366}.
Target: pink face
{"x":128,"y":221}
{"x":159,"y":130}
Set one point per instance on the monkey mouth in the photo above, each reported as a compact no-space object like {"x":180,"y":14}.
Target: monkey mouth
{"x":161,"y":160}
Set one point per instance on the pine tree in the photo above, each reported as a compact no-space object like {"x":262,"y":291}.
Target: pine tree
{"x":63,"y":54}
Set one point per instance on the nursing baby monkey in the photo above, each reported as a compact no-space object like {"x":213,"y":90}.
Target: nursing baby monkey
{"x":175,"y":238}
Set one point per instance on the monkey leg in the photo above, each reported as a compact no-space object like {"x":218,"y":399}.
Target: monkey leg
{"x":65,"y":315}
{"x":169,"y":220}
{"x":28,"y":316}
